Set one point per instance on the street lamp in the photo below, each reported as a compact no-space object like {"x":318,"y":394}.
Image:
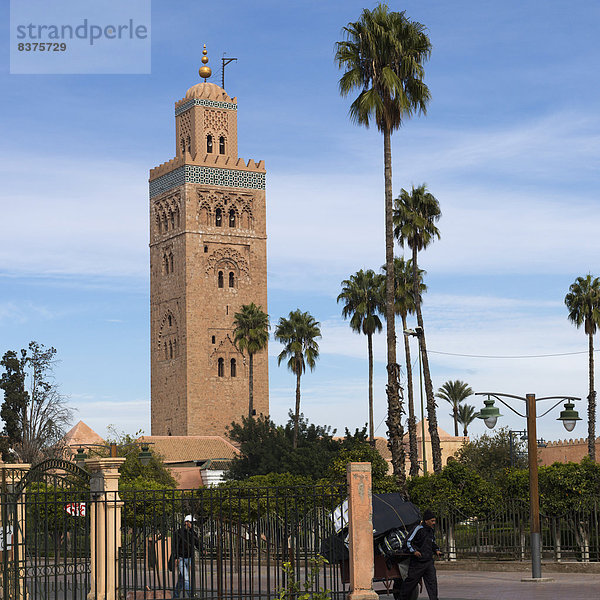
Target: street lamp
{"x":416,"y":332}
{"x":568,"y":416}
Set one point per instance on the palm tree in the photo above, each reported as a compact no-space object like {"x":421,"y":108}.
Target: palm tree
{"x":362,"y":296}
{"x":454,"y":392}
{"x":583,"y":302}
{"x":298,"y":334}
{"x":251,"y":333}
{"x":383,"y":56}
{"x":466,"y":415}
{"x":404,"y":304}
{"x":415,"y":215}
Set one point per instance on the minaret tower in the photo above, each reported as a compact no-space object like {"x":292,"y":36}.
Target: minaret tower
{"x":208,"y":257}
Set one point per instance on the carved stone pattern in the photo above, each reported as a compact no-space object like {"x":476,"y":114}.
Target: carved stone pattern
{"x":185,"y":127}
{"x":240,"y":203}
{"x":167,"y":213}
{"x":227,"y":255}
{"x":215,"y":121}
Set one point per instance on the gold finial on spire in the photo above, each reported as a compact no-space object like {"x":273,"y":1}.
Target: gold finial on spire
{"x":204,"y":71}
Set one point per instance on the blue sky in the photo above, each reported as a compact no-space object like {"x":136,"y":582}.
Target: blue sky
{"x":510,"y":147}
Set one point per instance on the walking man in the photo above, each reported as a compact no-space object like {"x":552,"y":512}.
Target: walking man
{"x":185,"y":542}
{"x":421,"y":544}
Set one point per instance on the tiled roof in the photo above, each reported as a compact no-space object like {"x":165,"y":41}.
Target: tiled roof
{"x":82,"y":434}
{"x":183,"y":448}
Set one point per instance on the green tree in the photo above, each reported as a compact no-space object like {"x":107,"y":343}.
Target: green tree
{"x":362,"y":299}
{"x":298,"y":334}
{"x":35,"y":413}
{"x":251,"y":331}
{"x":415,"y":215}
{"x":382,"y":58}
{"x":454,"y":392}
{"x":466,"y":415}
{"x":457,"y":485}
{"x":489,"y":455}
{"x":16,"y":399}
{"x":404,"y":303}
{"x":269,"y":448}
{"x":583,"y":302}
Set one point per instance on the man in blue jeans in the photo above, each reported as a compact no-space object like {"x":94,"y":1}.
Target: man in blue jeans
{"x":185,"y":542}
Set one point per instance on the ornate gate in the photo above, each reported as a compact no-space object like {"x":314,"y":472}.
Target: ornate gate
{"x":45,"y":532}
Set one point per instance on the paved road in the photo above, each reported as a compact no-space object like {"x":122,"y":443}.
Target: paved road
{"x":469,"y":585}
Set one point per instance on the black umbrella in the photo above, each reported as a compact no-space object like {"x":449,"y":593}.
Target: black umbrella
{"x":390,"y":511}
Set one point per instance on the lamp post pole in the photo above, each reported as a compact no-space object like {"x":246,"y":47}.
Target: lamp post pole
{"x":568,"y":416}
{"x":534,"y":493}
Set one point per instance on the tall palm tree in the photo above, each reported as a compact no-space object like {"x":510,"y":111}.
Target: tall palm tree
{"x":415,"y":215}
{"x":251,"y":334}
{"x":466,"y":415}
{"x":454,"y":392}
{"x":382,"y":58}
{"x":298,"y":334}
{"x":361,"y":294}
{"x":583,"y":302}
{"x":404,"y":304}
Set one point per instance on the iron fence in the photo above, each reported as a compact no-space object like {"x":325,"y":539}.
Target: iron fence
{"x":503,"y":534}
{"x":244,"y":538}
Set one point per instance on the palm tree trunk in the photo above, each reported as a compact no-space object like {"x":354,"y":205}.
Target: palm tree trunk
{"x":297,"y":412}
{"x":455,"y":415}
{"x":251,"y":387}
{"x":412,"y":422}
{"x":394,"y":419}
{"x":592,"y":404}
{"x":371,"y":426}
{"x":436,"y":450}
{"x":465,"y":432}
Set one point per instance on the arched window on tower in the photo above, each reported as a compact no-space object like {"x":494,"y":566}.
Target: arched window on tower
{"x":221,"y":367}
{"x":182,"y":145}
{"x":189,"y":144}
{"x":170,"y":262}
{"x":165,"y":265}
{"x":209,"y":144}
{"x":222,"y":145}
{"x":166,"y":351}
{"x":170,"y":349}
{"x":172,"y":218}
{"x":231,"y":217}
{"x":231,"y":279}
{"x":220,"y":279}
{"x":233,"y":368}
{"x":175,"y":348}
{"x":170,"y":320}
{"x":218,"y":217}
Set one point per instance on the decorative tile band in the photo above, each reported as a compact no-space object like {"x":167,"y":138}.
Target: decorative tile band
{"x":207,"y":176}
{"x":203,"y":102}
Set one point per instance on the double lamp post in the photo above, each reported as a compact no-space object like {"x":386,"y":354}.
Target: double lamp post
{"x":569,"y":418}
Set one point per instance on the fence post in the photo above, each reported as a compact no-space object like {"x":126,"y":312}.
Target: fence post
{"x":360,"y":528}
{"x":13,"y":531}
{"x":105,"y":527}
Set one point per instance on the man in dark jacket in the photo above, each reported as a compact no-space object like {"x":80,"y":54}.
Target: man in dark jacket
{"x":185,"y":542}
{"x":421,"y":544}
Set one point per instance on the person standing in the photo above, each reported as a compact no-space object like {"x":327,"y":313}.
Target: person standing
{"x":422,"y":546}
{"x":185,"y":542}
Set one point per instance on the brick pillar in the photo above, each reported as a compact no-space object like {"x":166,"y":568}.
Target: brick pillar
{"x":360,"y":528}
{"x":105,"y":527}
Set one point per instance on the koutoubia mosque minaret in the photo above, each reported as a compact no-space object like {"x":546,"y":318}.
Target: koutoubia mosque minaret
{"x":208,"y":257}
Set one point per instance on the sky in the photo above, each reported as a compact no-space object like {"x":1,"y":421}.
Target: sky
{"x":510,"y":147}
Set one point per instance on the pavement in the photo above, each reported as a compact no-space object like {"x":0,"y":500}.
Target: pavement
{"x":495,"y":585}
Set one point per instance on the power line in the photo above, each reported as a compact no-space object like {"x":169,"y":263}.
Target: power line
{"x":500,"y":356}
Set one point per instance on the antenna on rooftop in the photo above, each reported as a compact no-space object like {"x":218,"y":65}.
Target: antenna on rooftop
{"x":225,"y":61}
